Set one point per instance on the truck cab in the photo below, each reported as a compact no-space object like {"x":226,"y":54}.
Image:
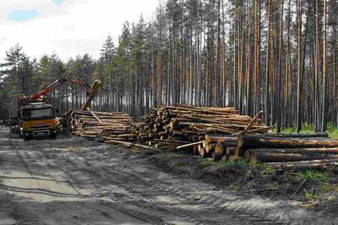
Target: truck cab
{"x":37,"y":119}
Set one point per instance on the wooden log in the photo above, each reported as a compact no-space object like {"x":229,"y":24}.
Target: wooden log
{"x":230,"y":150}
{"x":172,"y":141}
{"x":238,"y":151}
{"x":257,"y":142}
{"x":298,"y":135}
{"x":195,"y":150}
{"x":220,"y":139}
{"x":218,"y":152}
{"x":307,"y":151}
{"x":210,"y":148}
{"x":251,"y":124}
{"x":127,"y":144}
{"x":189,"y":145}
{"x":259,"y":156}
{"x":303,"y":165}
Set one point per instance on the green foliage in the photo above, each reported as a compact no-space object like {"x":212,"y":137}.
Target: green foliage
{"x":309,"y":196}
{"x":205,"y":162}
{"x":135,"y":151}
{"x":333,"y":131}
{"x":327,"y":187}
{"x":240,"y":164}
{"x":179,"y":165}
{"x":306,"y":128}
{"x":234,"y":187}
{"x":314,"y":175}
{"x":309,"y":128}
{"x":269,"y":170}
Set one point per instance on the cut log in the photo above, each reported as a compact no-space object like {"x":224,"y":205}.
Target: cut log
{"x":189,"y":145}
{"x":307,"y":151}
{"x":323,"y":164}
{"x":299,"y":135}
{"x":219,"y":151}
{"x":257,"y":142}
{"x":230,"y":150}
{"x":259,"y":156}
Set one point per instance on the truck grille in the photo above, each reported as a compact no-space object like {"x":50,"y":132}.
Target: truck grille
{"x":40,"y":133}
{"x":40,"y":126}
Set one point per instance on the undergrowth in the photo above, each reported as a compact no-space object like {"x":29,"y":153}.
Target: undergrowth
{"x":314,"y":175}
{"x":309,"y":128}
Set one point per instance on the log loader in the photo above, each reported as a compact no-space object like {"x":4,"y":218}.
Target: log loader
{"x":37,"y":117}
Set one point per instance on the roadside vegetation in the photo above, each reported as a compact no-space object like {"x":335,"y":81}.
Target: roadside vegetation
{"x":313,"y":189}
{"x":309,"y":128}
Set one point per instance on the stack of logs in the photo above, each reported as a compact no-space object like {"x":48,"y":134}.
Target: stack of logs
{"x":170,"y":126}
{"x":293,"y":151}
{"x":108,"y":126}
{"x":219,"y":133}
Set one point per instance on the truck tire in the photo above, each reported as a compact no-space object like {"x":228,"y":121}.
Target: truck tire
{"x":27,"y":138}
{"x":53,"y":136}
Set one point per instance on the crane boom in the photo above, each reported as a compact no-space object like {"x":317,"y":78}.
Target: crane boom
{"x":55,"y":84}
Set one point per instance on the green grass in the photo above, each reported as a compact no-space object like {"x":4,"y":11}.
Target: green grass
{"x":205,"y":162}
{"x":332,"y":130}
{"x":314,"y":175}
{"x":306,"y":128}
{"x":327,"y":187}
{"x":309,"y":128}
{"x":310,"y":196}
{"x":179,"y":165}
{"x":269,"y":170}
{"x":135,"y":151}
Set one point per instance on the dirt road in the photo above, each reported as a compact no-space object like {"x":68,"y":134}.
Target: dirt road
{"x":74,"y":181}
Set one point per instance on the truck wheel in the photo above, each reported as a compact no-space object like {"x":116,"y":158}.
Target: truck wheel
{"x":27,"y":138}
{"x":53,"y":136}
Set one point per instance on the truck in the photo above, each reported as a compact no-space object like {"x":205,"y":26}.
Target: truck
{"x":38,"y":118}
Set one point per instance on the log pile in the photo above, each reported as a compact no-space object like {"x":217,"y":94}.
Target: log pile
{"x":170,"y":126}
{"x":108,"y":126}
{"x":219,"y":133}
{"x":294,"y":151}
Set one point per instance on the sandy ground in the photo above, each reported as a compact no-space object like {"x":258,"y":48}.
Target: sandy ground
{"x":74,"y":181}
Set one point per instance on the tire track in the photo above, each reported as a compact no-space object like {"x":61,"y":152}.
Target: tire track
{"x":131,"y":179}
{"x":143,"y":191}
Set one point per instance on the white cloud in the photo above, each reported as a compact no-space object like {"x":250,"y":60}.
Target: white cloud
{"x":74,"y":28}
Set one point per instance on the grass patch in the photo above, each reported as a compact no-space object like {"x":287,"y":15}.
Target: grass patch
{"x":135,"y":151}
{"x":327,"y":187}
{"x":306,"y":128}
{"x":314,"y":175}
{"x":310,"y":196}
{"x":222,"y":166}
{"x":309,"y":128}
{"x":205,"y":162}
{"x":332,"y":130}
{"x":179,"y":165}
{"x":234,"y":187}
{"x":269,"y":170}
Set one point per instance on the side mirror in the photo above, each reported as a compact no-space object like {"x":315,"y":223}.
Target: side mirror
{"x":14,"y":122}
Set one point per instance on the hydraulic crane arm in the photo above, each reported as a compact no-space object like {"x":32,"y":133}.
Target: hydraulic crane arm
{"x":93,"y":90}
{"x":55,"y":84}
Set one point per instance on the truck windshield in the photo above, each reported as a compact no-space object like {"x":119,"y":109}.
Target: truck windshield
{"x":38,"y":113}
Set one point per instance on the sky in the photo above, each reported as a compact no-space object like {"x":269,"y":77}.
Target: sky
{"x":66,"y":27}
